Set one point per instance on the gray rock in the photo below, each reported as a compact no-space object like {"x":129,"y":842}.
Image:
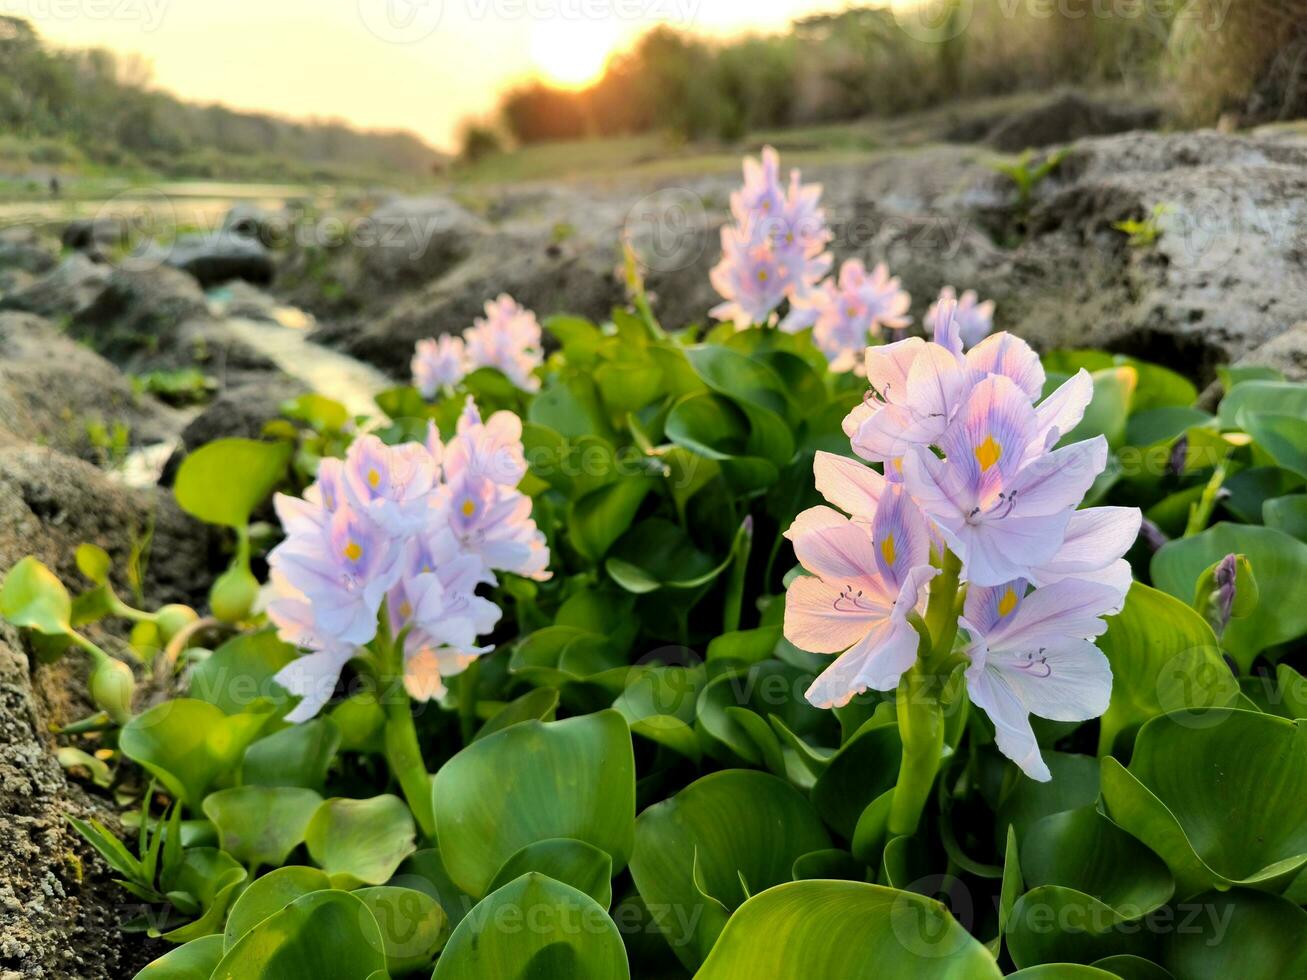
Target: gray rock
{"x":157,"y":318}
{"x":53,"y":389}
{"x":23,"y":248}
{"x":269,"y":228}
{"x":95,"y":235}
{"x":1287,"y":353}
{"x":66,"y":290}
{"x":1067,"y":117}
{"x":218,"y":257}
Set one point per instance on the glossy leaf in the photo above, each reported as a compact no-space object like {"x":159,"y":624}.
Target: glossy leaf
{"x":323,"y":934}
{"x":534,"y":928}
{"x":223,"y":481}
{"x":260,"y":825}
{"x":532,"y":782}
{"x":413,"y":926}
{"x":32,"y":597}
{"x":270,"y":894}
{"x":195,"y":960}
{"x":573,"y":862}
{"x":360,"y":842}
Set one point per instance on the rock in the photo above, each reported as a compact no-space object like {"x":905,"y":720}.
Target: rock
{"x":1233,"y":220}
{"x":269,"y":228}
{"x":575,"y":277}
{"x":95,"y":235}
{"x":67,"y":290}
{"x":59,"y":910}
{"x":1067,"y":117}
{"x":157,"y":318}
{"x":53,"y":390}
{"x":23,"y":248}
{"x":218,"y":257}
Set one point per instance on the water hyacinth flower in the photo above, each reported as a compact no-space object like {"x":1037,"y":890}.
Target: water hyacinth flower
{"x":413,"y":530}
{"x":508,"y":339}
{"x":1030,"y":653}
{"x":438,"y":364}
{"x":845,"y":314}
{"x":971,"y":320}
{"x":775,"y":247}
{"x":981,"y":495}
{"x":865,"y":582}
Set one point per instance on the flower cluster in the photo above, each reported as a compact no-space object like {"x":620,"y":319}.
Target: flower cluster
{"x":970,"y":475}
{"x":775,"y":248}
{"x":846,"y":313}
{"x":972,"y":319}
{"x":413,"y":529}
{"x":507,"y":339}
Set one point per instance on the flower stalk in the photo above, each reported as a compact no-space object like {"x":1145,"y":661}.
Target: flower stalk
{"x":403,"y":753}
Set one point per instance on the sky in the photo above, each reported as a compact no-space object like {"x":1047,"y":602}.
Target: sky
{"x":422,"y":65}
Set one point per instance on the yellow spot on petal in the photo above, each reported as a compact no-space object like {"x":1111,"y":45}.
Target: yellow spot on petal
{"x":988,"y":453}
{"x":373,"y":478}
{"x":469,"y":508}
{"x":762,"y":275}
{"x":898,"y":463}
{"x":1007,"y":603}
{"x":405,"y":609}
{"x":353,"y":551}
{"x":887,"y":549}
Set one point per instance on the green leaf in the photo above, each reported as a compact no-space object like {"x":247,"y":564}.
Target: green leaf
{"x":746,"y":380}
{"x":261,"y":825}
{"x":1164,"y":657}
{"x":33,"y":597}
{"x":1110,"y":407}
{"x":360,"y":842}
{"x":94,"y":562}
{"x":1274,"y":397}
{"x":1278,"y":561}
{"x":599,"y":518}
{"x":194,"y":961}
{"x":538,"y":705}
{"x":693,"y":852}
{"x":573,"y":862}
{"x":413,"y":926}
{"x":295,"y":756}
{"x":1283,"y":437}
{"x":323,"y":934}
{"x":1218,"y":795}
{"x":531,"y":782}
{"x":240,"y":673}
{"x":658,"y":554}
{"x":214,"y":879}
{"x":270,"y":894}
{"x":1287,"y":514}
{"x":1129,"y":967}
{"x":223,"y":481}
{"x":189,"y":744}
{"x":1062,"y":971}
{"x":845,"y":929}
{"x":110,"y":848}
{"x":1242,"y":934}
{"x":566,"y":937}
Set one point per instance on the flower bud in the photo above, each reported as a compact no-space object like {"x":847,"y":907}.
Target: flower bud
{"x":233,"y":594}
{"x":111,"y":686}
{"x":173,"y":618}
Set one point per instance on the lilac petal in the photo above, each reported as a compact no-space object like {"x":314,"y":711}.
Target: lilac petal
{"x":987,"y":441}
{"x":1069,"y":609}
{"x":849,"y":485}
{"x":996,"y":551}
{"x":822,"y":617}
{"x":899,"y":536}
{"x":1095,"y":538}
{"x":813,"y":519}
{"x":1016,"y":739}
{"x":1059,"y":480}
{"x":841,"y":553}
{"x":888,"y":366}
{"x":877,"y":661}
{"x":1008,"y":355}
{"x":1068,"y":681}
{"x":1062,"y":411}
{"x":987,"y":606}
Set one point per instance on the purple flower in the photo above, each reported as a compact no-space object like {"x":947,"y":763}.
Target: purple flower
{"x":959,"y":322}
{"x":1031,"y":653}
{"x":864,"y":582}
{"x":775,"y":248}
{"x":846,"y":314}
{"x":492,"y":449}
{"x":1002,"y":508}
{"x":438,"y":363}
{"x":507,"y":338}
{"x":390,"y":484}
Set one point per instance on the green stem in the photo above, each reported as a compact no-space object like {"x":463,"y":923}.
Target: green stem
{"x":403,"y":754}
{"x":467,"y":701}
{"x":921,"y":728}
{"x":920,"y":716}
{"x":1200,"y":513}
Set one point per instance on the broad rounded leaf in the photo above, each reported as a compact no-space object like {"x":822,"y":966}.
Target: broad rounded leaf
{"x":1219,"y":795}
{"x":413,"y":926}
{"x":1242,"y":934}
{"x":360,"y":842}
{"x":845,"y":929}
{"x":33,"y":597}
{"x":573,"y":862}
{"x":701,"y":853}
{"x":531,"y":782}
{"x":534,"y":928}
{"x":223,"y":481}
{"x":261,"y":825}
{"x":270,"y":894}
{"x":323,"y":934}
{"x":188,"y":744}
{"x":194,"y":961}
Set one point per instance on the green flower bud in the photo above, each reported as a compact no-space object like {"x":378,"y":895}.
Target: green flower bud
{"x":172,"y":619}
{"x":233,"y":594}
{"x":146,"y":640}
{"x":111,"y":686}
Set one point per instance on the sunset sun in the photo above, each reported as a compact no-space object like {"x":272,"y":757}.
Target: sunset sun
{"x":572,"y":52}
